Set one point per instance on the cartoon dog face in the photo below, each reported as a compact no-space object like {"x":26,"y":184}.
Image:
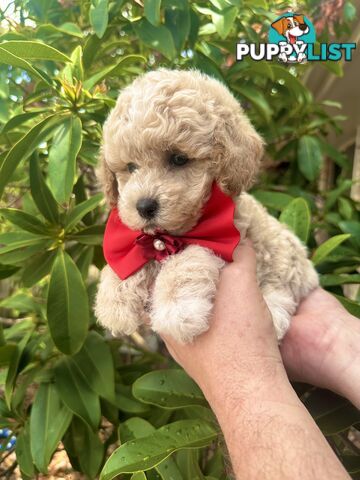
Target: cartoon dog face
{"x":291,"y":27}
{"x":170,"y":135}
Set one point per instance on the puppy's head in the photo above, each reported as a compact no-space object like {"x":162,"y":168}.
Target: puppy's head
{"x":294,"y":26}
{"x":170,"y":135}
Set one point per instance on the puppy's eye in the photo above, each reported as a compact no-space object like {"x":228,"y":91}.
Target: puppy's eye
{"x":131,"y":167}
{"x":289,"y":25}
{"x":178,"y":159}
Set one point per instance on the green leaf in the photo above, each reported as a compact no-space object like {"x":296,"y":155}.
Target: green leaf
{"x":38,"y":267}
{"x":138,"y":476}
{"x":152,"y":11}
{"x":23,"y":220}
{"x":68,"y":28}
{"x":75,"y":393}
{"x":297,"y":216}
{"x":14,"y":365}
{"x":113,"y":70}
{"x":99,"y":16}
{"x":23,"y":452}
{"x":17,"y":120}
{"x":158,"y":38}
{"x":310,"y":157}
{"x":137,"y":427}
{"x":258,"y":100}
{"x":168,"y":389}
{"x":90,"y":235}
{"x":95,"y":363}
{"x":350,"y":305}
{"x":274,"y":200}
{"x":177,"y":20}
{"x":67,"y":305}
{"x":224,"y":21}
{"x":22,"y":150}
{"x":62,"y":158}
{"x":86,"y":446}
{"x":330,"y":280}
{"x":6,"y":353}
{"x":327,"y":247}
{"x":11,"y":59}
{"x":34,"y":51}
{"x":49,"y":420}
{"x":41,"y":193}
{"x":80,"y":210}
{"x":19,"y":251}
{"x":20,"y":301}
{"x":349,"y":11}
{"x":158,"y":446}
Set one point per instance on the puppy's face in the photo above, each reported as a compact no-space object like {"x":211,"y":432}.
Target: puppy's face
{"x":168,"y":138}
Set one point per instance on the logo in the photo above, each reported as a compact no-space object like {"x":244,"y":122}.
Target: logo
{"x":292,"y":39}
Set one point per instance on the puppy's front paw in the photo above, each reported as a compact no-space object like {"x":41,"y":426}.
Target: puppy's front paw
{"x":117,"y":316}
{"x":118,"y":306}
{"x":282,"y":306}
{"x":183,"y":318}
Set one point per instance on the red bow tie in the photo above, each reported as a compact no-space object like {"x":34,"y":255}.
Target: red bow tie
{"x":126,"y":250}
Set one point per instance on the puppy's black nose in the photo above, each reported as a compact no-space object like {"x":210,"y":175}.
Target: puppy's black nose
{"x":303,"y":27}
{"x":147,"y":207}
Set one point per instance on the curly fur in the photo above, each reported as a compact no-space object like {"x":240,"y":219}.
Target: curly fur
{"x":190,"y":113}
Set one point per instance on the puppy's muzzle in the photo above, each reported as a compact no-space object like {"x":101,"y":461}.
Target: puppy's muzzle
{"x":147,"y":207}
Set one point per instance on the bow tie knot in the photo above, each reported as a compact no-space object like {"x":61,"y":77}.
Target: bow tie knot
{"x":159,"y":246}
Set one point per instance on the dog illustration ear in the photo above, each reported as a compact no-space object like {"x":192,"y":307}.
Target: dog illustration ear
{"x":240,"y":149}
{"x":280,"y":25}
{"x":299,"y":18}
{"x":108,"y":181}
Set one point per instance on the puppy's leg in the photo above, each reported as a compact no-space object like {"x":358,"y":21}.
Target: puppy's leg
{"x":119,"y":304}
{"x":282,"y":306}
{"x":184,"y":292}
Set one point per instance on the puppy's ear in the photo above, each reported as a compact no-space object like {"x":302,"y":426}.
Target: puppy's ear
{"x":108,"y":181}
{"x":240,"y":149}
{"x":280,"y":26}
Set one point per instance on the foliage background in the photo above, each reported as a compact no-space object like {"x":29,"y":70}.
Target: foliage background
{"x":62,"y":63}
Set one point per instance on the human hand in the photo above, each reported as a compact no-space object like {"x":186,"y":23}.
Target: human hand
{"x":239,"y":353}
{"x":238,"y":366}
{"x":322,"y":346}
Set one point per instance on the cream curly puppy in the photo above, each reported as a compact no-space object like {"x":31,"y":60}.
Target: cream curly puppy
{"x":169,"y":137}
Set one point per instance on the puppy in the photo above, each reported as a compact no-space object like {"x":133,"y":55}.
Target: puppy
{"x":171,"y":135}
{"x":291,"y":27}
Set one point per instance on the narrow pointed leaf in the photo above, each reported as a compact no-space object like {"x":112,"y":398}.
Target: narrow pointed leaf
{"x":49,"y":421}
{"x":62,"y":158}
{"x":95,"y":363}
{"x":80,"y":210}
{"x":22,"y":150}
{"x":23,"y":220}
{"x":76,"y":394}
{"x":10,"y":59}
{"x":34,"y":51}
{"x":41,"y":193}
{"x":327,"y":247}
{"x":67,"y":305}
